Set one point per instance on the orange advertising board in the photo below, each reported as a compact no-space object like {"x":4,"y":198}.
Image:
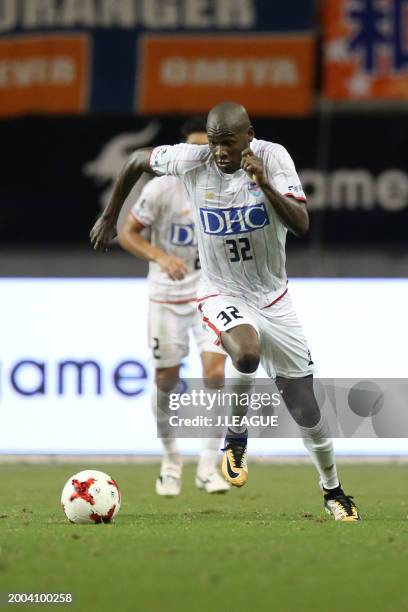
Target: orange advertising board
{"x":365,"y":49}
{"x":48,"y":73}
{"x":268,"y":74}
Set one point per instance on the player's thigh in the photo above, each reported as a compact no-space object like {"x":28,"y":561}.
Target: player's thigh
{"x":232,"y":323}
{"x":284,"y":347}
{"x":206,"y":340}
{"x":168,"y":333}
{"x":211,"y":352}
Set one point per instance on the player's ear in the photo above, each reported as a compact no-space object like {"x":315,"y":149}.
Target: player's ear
{"x":250,"y":134}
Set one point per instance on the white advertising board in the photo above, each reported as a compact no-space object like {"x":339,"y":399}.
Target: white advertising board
{"x":75,"y":371}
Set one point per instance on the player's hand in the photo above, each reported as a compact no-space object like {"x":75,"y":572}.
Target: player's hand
{"x":102,"y":233}
{"x":173,"y":266}
{"x":253,"y":166}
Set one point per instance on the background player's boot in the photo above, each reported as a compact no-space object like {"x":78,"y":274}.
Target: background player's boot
{"x":168,"y":486}
{"x":234,"y":462}
{"x":169,"y":482}
{"x":212,"y":482}
{"x":340,"y":505}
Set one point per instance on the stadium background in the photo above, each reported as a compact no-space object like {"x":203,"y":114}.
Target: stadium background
{"x":84,"y":83}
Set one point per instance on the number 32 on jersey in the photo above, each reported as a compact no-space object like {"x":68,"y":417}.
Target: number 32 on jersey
{"x":239,"y":250}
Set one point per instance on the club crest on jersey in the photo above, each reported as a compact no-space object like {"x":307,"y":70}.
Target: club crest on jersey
{"x":230,"y":221}
{"x":254,"y":189}
{"x":182,"y":234}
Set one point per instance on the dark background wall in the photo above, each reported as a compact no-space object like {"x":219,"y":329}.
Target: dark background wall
{"x":334,"y":95}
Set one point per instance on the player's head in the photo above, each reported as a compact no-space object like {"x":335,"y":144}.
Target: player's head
{"x":229,"y":132}
{"x":193,"y":130}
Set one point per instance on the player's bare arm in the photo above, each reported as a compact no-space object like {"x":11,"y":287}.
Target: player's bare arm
{"x":104,"y":229}
{"x":292,"y":213}
{"x":131,"y":240}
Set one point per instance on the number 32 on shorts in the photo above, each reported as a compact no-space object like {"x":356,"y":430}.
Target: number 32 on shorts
{"x":227,"y":315}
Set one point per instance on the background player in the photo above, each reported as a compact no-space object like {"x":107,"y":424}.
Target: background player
{"x":174,"y":273}
{"x":246,"y":195}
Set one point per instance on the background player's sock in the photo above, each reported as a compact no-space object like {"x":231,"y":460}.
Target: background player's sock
{"x":239,"y":383}
{"x":160,"y":409}
{"x":207,"y":463}
{"x":171,"y":464}
{"x":320,"y":447}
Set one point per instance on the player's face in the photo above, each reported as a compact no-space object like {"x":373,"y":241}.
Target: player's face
{"x":227,"y":146}
{"x":197,"y":138}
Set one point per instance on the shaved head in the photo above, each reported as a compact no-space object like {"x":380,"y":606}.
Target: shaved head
{"x":229,"y":132}
{"x":228,"y":117}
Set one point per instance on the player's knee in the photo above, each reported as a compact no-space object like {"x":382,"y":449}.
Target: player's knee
{"x":248,"y":360}
{"x":214,"y":376}
{"x":299,"y":397}
{"x":243,"y":345}
{"x":166,"y":385}
{"x":166,"y":379}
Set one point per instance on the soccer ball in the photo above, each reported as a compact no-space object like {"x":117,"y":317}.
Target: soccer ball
{"x":90,"y":497}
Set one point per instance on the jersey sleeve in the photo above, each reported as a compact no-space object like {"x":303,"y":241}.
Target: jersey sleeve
{"x":282,"y":173}
{"x":178,"y":159}
{"x":147,"y":207}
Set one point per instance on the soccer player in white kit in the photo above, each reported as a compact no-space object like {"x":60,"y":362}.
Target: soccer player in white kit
{"x":174,"y":273}
{"x":245,"y":195}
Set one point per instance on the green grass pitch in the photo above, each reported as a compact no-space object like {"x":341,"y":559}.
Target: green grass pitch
{"x":266,"y":547}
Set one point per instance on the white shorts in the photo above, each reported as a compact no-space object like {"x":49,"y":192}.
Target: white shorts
{"x":169,"y":326}
{"x":284,"y":350}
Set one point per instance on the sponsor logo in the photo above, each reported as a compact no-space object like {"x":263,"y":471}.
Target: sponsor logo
{"x":73,"y":377}
{"x":231,"y":472}
{"x":353,"y":189}
{"x":126,"y":14}
{"x":366,"y":49}
{"x":182,"y":235}
{"x":231,"y":221}
{"x":191,"y":73}
{"x":210,"y":195}
{"x":47,"y":74}
{"x":295,"y":189}
{"x":159,"y":153}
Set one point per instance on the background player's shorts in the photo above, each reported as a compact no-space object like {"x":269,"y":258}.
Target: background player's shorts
{"x":169,"y":326}
{"x":284,"y":350}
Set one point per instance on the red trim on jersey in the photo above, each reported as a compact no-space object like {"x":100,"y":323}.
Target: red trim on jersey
{"x":277,"y":300}
{"x":170,"y":302}
{"x":134,"y":215}
{"x":299,"y":199}
{"x":150,"y":158}
{"x":207,"y":296}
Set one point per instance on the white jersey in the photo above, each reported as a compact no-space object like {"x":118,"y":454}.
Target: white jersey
{"x":241,"y":239}
{"x":163,"y":206}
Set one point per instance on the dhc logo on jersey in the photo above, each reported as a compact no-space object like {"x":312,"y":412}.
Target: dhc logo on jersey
{"x":226,"y":221}
{"x":182,"y":234}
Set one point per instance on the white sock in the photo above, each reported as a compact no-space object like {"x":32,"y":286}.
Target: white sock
{"x":320,"y":447}
{"x":207,"y":463}
{"x":171,"y":464}
{"x":160,"y":402}
{"x":239,"y":382}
